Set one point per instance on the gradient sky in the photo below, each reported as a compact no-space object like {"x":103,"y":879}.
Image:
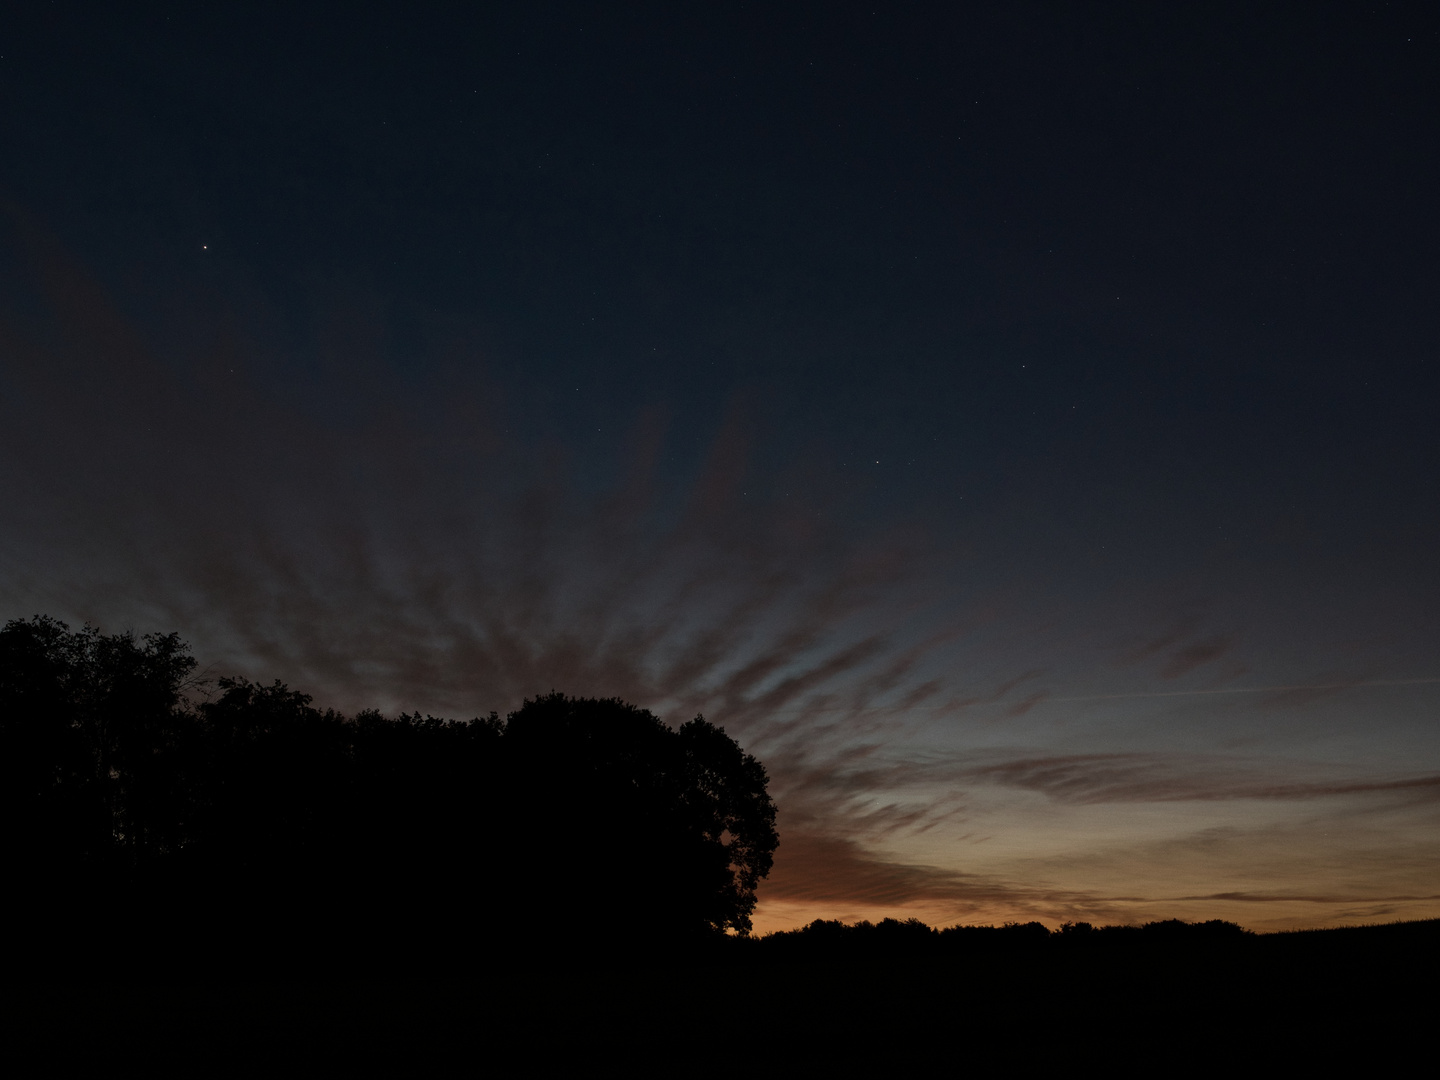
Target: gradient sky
{"x":1015,"y":424}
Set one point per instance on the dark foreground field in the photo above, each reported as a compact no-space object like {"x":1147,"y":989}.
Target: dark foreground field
{"x":1360,"y":997}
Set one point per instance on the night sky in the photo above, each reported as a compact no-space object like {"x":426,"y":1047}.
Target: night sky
{"x":1016,"y":424}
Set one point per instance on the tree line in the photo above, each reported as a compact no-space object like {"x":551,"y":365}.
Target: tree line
{"x":894,"y":939}
{"x":152,"y":814}
{"x":155,"y":819}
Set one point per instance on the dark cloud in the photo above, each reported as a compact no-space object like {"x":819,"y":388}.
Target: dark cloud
{"x":1180,"y":649}
{"x":1122,"y":778}
{"x":1191,"y":656}
{"x":1020,"y":708}
{"x":957,"y":704}
{"x":1312,"y":898}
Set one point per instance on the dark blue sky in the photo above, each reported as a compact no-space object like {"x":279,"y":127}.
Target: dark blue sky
{"x":897,"y":386}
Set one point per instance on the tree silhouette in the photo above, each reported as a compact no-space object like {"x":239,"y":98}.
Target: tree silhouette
{"x":625,"y":821}
{"x":90,"y":734}
{"x":253,"y":828}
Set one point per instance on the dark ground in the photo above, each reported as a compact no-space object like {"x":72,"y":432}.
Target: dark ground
{"x":1359,"y":997}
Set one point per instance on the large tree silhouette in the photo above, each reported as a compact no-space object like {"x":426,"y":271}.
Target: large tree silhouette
{"x":623,"y":820}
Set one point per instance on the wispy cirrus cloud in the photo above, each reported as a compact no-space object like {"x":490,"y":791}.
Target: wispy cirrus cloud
{"x":1135,"y":777}
{"x":1180,"y":650}
{"x":378,"y":539}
